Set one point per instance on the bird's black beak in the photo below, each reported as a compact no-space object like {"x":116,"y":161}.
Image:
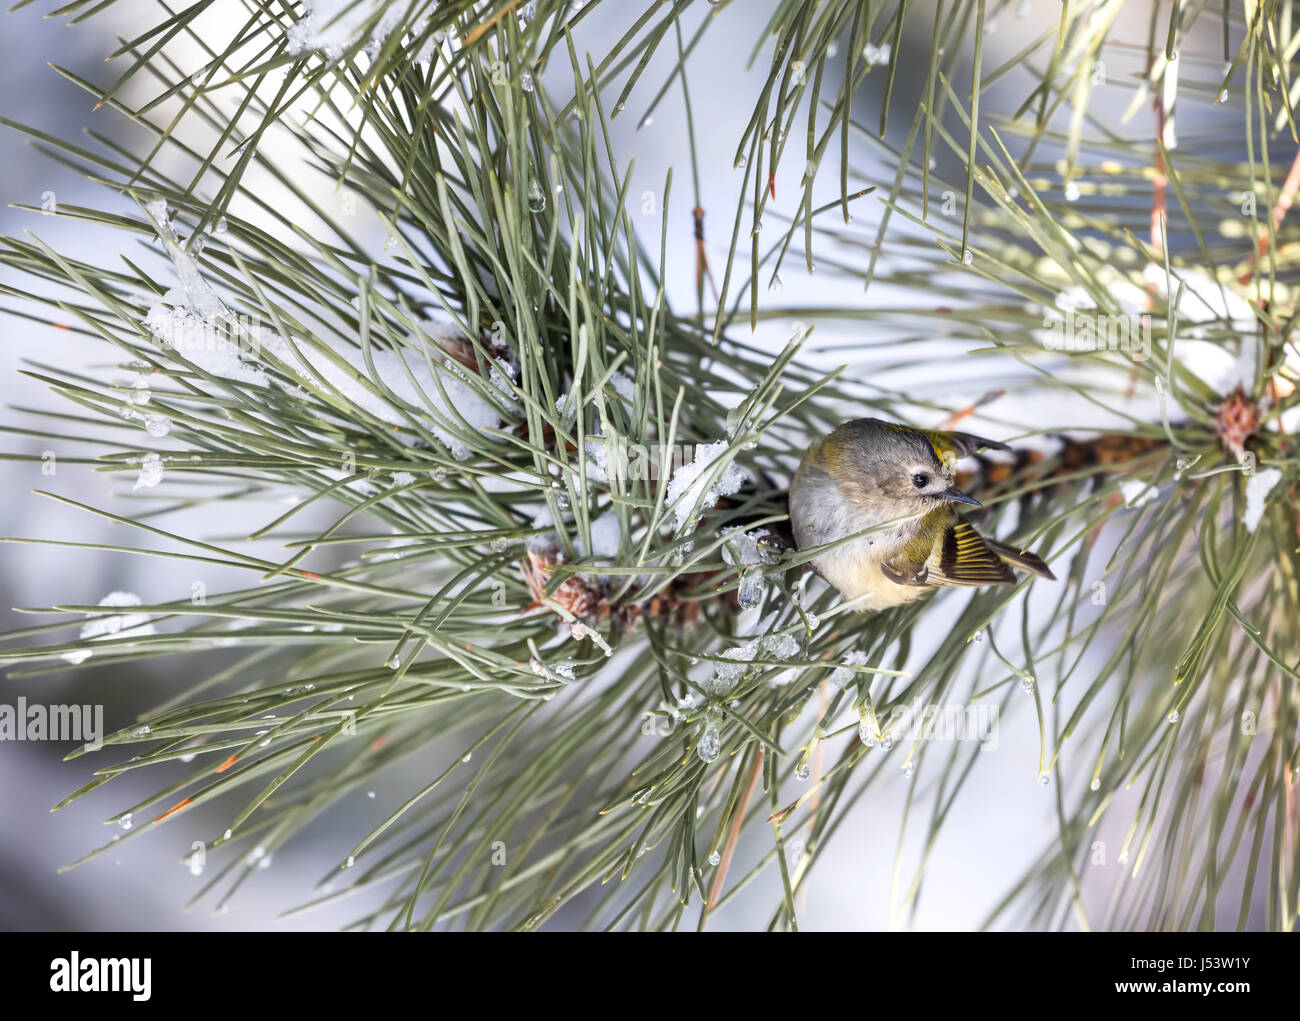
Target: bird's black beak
{"x":957,"y":496}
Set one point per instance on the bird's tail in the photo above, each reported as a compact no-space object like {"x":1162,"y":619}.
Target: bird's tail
{"x":1021,"y":558}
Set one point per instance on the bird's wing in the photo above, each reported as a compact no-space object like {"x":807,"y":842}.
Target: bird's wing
{"x":962,"y":557}
{"x":953,"y":445}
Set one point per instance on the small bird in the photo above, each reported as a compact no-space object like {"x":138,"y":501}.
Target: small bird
{"x":867,"y":474}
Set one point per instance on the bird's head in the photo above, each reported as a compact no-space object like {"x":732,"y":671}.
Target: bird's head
{"x":891,"y":471}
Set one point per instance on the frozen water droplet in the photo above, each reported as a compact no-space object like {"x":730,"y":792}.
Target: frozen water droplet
{"x":967,"y":257}
{"x":141,"y":731}
{"x":536,"y":197}
{"x":978,"y":636}
{"x":909,"y":768}
{"x":349,"y":862}
{"x":467,"y":757}
{"x":620,"y":107}
{"x":125,"y":821}
{"x":221,"y":227}
{"x":226,"y":835}
{"x":157,"y":425}
{"x":1028,"y":685}
{"x":188,"y":757}
{"x":526,"y":82}
{"x":500,"y":545}
{"x":866,"y":735}
{"x":265,"y":862}
{"x":775,"y":284}
{"x":803,"y":772}
{"x":1174,"y":717}
{"x":195,"y":865}
{"x":1223,"y":96}
{"x":751,"y":589}
{"x":1072,"y":191}
{"x":140,"y":393}
{"x":393,"y":662}
{"x":1095,"y":785}
{"x":1043,"y":780}
{"x":742,"y":162}
{"x":710,"y":745}
{"x":370,"y":794}
{"x":1123,"y":857}
{"x":887,"y":742}
{"x":715,"y":858}
{"x":832,"y":48}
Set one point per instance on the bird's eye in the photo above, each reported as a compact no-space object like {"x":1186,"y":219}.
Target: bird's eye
{"x":920,"y":481}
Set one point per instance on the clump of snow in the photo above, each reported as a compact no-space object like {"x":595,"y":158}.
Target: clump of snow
{"x":699,"y":484}
{"x":123,"y":625}
{"x":1137,"y":492}
{"x":411,"y":380}
{"x":726,"y":675}
{"x":1258,"y":486}
{"x":606,"y":535}
{"x":193,"y":321}
{"x":841,"y":676}
{"x":151,"y":472}
{"x":331,"y":26}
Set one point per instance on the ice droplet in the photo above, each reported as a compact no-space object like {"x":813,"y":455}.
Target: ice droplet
{"x":1043,"y":780}
{"x":125,"y":821}
{"x":1072,"y":192}
{"x":467,"y":757}
{"x":393,"y":662}
{"x":742,"y":162}
{"x":265,"y":862}
{"x":752,"y":587}
{"x":978,"y":636}
{"x":157,"y":425}
{"x":140,"y":393}
{"x":1174,"y":716}
{"x":887,"y":742}
{"x":526,"y":82}
{"x":1095,"y":785}
{"x":349,"y":862}
{"x":866,"y":735}
{"x":967,"y":257}
{"x":500,"y":545}
{"x":195,"y":864}
{"x":909,"y":769}
{"x":226,"y":835}
{"x":715,"y":858}
{"x":536,"y":197}
{"x":1028,"y":685}
{"x":775,"y":284}
{"x":710,"y":745}
{"x":803,"y":772}
{"x":370,"y":794}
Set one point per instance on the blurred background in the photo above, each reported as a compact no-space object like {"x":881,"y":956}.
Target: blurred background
{"x":992,"y":834}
